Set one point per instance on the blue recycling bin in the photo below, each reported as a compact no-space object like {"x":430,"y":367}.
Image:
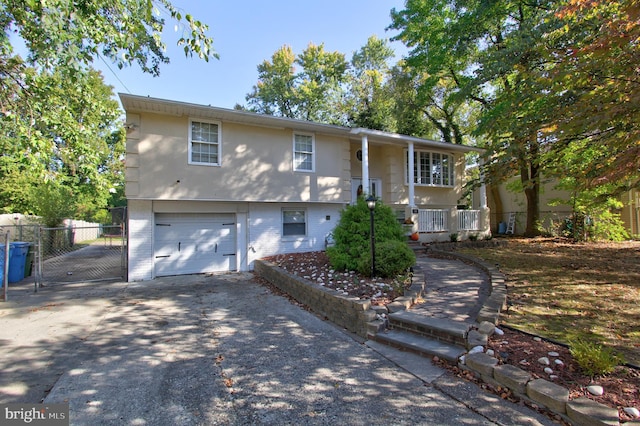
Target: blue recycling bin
{"x":17,"y":260}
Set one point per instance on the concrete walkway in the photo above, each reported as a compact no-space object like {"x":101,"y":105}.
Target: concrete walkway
{"x":455,"y":290}
{"x":220,"y":349}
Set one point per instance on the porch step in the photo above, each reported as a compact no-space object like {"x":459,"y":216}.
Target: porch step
{"x":444,"y":330}
{"x":421,"y":345}
{"x":416,"y":246}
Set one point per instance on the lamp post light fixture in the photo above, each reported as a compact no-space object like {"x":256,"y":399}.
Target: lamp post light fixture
{"x":371,"y":203}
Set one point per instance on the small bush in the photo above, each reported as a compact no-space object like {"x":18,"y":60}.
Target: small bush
{"x":594,"y":359}
{"x":453,"y":237}
{"x":473,"y":237}
{"x":392,"y":258}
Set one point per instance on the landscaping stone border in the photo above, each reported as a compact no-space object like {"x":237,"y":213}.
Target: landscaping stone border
{"x":555,"y":398}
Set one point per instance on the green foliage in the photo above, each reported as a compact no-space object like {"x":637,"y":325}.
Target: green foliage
{"x":552,"y":80}
{"x":307,"y":94}
{"x":594,"y":359}
{"x":65,"y":131}
{"x":454,"y":237}
{"x":53,"y":202}
{"x":70,"y":35}
{"x":606,"y":225}
{"x":393,"y":257}
{"x":352,"y":236}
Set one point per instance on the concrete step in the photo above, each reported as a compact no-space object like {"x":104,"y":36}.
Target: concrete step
{"x":448,"y":331}
{"x":421,"y":345}
{"x":416,"y":246}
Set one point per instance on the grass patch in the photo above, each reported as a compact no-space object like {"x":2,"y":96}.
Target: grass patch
{"x":571,"y":292}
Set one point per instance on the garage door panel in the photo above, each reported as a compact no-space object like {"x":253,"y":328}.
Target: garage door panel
{"x":197,"y":243}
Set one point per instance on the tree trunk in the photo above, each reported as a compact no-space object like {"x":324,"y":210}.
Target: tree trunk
{"x":531,"y":183}
{"x":497,"y":210}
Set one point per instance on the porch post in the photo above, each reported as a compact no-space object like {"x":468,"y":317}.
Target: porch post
{"x":412,"y":184}
{"x":365,"y":165}
{"x":483,"y":191}
{"x":485,"y":213}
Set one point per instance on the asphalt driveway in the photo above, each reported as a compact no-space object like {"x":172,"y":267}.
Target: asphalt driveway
{"x":204,"y":350}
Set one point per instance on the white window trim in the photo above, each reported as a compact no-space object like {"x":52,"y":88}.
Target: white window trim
{"x":409,"y":171}
{"x":313,"y":152}
{"x":219,"y":124}
{"x":306,"y":224}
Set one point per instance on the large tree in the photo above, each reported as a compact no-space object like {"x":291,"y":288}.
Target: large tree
{"x":62,"y":132}
{"x":557,"y":82}
{"x":596,"y":84}
{"x":490,"y":51}
{"x":367,"y":99}
{"x":61,"y":128}
{"x":304,"y":87}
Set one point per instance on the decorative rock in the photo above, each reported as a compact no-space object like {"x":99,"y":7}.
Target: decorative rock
{"x":632,"y":411}
{"x":499,"y":332}
{"x":524,"y":362}
{"x":476,"y":350}
{"x":462,"y":359}
{"x":553,"y":376}
{"x":487,"y":328}
{"x":544,"y":360}
{"x":595,"y":390}
{"x":548,"y":370}
{"x":490,"y":352}
{"x":553,"y":353}
{"x":537,"y":339}
{"x":558,"y":362}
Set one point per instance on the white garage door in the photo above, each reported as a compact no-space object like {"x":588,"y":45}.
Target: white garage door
{"x":188,"y":243}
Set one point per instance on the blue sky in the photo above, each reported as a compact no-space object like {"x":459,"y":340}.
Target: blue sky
{"x":245,"y":33}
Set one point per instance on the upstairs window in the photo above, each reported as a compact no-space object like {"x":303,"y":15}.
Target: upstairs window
{"x":204,"y":143}
{"x":430,"y":168}
{"x":303,"y":152}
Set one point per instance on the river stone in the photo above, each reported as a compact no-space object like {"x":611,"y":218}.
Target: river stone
{"x":632,"y":411}
{"x":595,"y":390}
{"x":544,"y":360}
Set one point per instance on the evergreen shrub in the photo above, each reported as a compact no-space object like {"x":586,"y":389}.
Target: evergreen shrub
{"x":352,"y":236}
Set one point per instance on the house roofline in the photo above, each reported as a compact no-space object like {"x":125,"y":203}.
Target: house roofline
{"x":137,"y":103}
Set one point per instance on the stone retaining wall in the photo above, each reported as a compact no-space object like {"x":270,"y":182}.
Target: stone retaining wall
{"x":345,"y":311}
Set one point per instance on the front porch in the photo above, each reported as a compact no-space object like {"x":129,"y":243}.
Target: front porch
{"x":443,"y":224}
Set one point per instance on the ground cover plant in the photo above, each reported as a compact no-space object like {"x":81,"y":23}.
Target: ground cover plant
{"x":572,"y":292}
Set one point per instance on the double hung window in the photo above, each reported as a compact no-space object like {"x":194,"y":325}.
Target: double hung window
{"x":204,"y":143}
{"x":294,"y":223}
{"x":303,"y":152}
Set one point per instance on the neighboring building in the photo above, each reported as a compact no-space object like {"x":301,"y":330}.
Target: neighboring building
{"x":213,"y":189}
{"x":630,"y":213}
{"x":503,"y":203}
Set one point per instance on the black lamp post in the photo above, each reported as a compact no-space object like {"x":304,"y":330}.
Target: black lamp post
{"x":371,"y":203}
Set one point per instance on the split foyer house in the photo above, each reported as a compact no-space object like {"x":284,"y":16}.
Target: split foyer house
{"x":212,"y":189}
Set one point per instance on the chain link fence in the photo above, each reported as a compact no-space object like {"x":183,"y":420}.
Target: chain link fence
{"x":80,"y":254}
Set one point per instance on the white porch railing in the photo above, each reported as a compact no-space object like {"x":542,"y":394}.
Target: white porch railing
{"x":433,"y":220}
{"x":469,"y":220}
